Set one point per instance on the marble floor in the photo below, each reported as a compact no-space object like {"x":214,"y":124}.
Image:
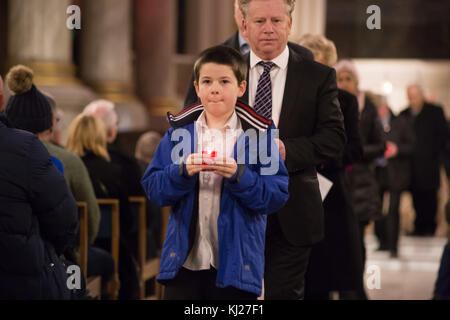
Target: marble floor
{"x":411,"y":276}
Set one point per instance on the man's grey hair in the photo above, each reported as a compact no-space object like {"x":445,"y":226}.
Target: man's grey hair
{"x":146,"y":146}
{"x":103,"y":109}
{"x":243,"y":5}
{"x":417,"y":86}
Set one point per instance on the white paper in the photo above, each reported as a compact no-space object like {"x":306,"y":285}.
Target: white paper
{"x":324,"y":185}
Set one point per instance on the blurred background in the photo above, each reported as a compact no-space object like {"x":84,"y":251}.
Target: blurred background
{"x":139,"y":53}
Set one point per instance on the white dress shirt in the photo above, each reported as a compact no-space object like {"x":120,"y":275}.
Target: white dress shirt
{"x":205,"y":251}
{"x":277,"y":78}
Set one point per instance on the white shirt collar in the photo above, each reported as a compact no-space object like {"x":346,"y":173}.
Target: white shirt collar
{"x":232,"y":123}
{"x":242,"y":41}
{"x":281,"y":61}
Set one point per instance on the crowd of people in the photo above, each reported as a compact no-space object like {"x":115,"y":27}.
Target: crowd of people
{"x":231,"y":225}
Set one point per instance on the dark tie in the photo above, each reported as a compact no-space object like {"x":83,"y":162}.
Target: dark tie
{"x":263,"y":98}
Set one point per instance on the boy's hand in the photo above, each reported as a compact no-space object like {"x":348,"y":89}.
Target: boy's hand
{"x":194,"y":164}
{"x":225,"y":167}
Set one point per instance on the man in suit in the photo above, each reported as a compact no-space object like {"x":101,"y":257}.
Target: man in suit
{"x":430,"y":131}
{"x":305,"y":108}
{"x":238,"y":42}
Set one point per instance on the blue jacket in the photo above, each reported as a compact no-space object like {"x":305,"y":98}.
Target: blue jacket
{"x":246,"y":200}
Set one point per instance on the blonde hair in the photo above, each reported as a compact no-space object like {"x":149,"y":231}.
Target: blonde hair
{"x":87,"y":133}
{"x":320,"y":47}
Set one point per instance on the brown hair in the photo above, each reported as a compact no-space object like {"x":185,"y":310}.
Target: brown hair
{"x":87,"y":133}
{"x":222,"y":55}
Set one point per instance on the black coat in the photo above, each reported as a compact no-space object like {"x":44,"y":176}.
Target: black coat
{"x":397,"y":173}
{"x":336,"y":262}
{"x":38,"y":219}
{"x":364,"y":187}
{"x":430,"y":131}
{"x":131,"y":171}
{"x":106,"y":180}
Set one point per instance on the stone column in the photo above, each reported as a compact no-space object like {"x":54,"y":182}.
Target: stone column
{"x":208,"y":23}
{"x":39,"y":38}
{"x":309,"y":16}
{"x":107,"y":58}
{"x":155,"y":42}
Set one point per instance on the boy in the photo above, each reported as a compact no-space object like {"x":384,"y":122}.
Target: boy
{"x":220,"y":197}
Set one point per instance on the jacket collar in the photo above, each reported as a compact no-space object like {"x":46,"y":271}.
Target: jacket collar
{"x":4,"y":121}
{"x":249,"y":118}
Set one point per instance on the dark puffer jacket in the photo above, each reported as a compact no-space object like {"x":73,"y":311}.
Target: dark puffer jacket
{"x":38,"y":219}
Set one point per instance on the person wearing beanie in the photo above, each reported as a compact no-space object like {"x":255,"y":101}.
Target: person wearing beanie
{"x":32,"y":110}
{"x":27,"y":108}
{"x":38,"y":219}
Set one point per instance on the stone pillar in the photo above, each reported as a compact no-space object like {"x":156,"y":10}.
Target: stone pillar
{"x":209,"y":23}
{"x":38,"y":37}
{"x":107,"y":58}
{"x":155,"y":42}
{"x":309,"y":16}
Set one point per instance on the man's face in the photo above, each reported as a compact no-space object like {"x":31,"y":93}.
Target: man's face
{"x":415,"y":98}
{"x":347,"y":82}
{"x":267,"y":27}
{"x":218,"y":89}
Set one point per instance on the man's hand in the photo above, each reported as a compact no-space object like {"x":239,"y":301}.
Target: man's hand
{"x":282,"y":148}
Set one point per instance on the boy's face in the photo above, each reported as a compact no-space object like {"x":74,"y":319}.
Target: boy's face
{"x":218,"y":89}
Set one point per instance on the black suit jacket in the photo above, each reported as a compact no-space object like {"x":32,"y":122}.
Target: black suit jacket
{"x":233,"y":41}
{"x":430,"y":129}
{"x":312,"y":130}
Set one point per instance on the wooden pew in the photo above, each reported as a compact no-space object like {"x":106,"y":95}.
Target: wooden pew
{"x":113,"y":285}
{"x":94,"y":284}
{"x":149,"y":269}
